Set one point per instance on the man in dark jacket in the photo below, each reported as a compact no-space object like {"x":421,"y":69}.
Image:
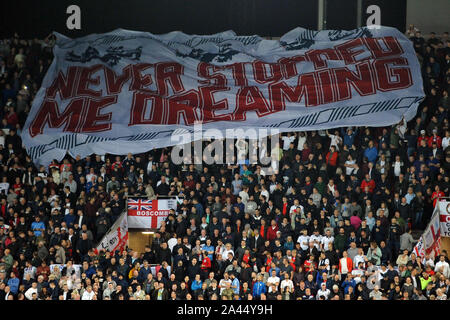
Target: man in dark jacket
{"x":84,"y":245}
{"x":164,"y":254}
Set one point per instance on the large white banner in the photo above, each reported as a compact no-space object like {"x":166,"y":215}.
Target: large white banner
{"x":116,"y":238}
{"x":444,"y":215}
{"x":133,"y":90}
{"x":149,"y":214}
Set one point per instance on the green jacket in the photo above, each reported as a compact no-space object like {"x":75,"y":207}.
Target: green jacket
{"x":8,"y":261}
{"x":320,"y":186}
{"x":374,"y":254}
{"x":339,"y":242}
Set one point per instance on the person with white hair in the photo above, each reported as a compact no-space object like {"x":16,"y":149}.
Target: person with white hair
{"x":440,"y":295}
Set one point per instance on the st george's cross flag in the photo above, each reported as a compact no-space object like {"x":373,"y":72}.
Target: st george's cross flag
{"x":148,"y":214}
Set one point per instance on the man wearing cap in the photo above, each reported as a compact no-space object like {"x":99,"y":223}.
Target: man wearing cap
{"x":323,"y":292}
{"x":422,"y":137}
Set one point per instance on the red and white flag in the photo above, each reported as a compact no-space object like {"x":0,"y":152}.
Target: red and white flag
{"x":148,"y":214}
{"x":116,"y":239}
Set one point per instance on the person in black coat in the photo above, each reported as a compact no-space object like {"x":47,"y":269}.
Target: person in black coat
{"x":193,"y":268}
{"x":84,"y":245}
{"x":164,"y":254}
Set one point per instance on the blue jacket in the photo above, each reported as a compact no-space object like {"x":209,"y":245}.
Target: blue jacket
{"x":237,"y":284}
{"x":347,"y":284}
{"x":349,"y":139}
{"x":196,"y":285}
{"x":89,"y":272}
{"x":13,"y":284}
{"x":371,"y":154}
{"x":258,"y":288}
{"x":143,"y":273}
{"x":69,"y":220}
{"x":37,"y":225}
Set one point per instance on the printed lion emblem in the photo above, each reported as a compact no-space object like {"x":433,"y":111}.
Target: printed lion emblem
{"x":352,"y":34}
{"x":112,"y":56}
{"x":225,"y":53}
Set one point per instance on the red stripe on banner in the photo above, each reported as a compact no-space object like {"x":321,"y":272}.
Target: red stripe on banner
{"x":444,"y":218}
{"x":154,"y":222}
{"x":155,"y":204}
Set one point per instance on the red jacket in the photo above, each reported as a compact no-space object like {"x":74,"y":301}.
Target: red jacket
{"x":438,"y":195}
{"x":370,"y":184}
{"x":333,"y":160}
{"x":271,"y":233}
{"x":436,"y":139}
{"x":307,"y":265}
{"x":206,"y":263}
{"x":420,"y":138}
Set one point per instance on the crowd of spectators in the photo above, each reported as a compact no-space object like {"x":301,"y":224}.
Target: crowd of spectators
{"x":336,"y":221}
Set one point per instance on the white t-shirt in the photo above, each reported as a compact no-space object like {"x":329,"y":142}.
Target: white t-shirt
{"x":4,"y":187}
{"x":326,"y":240}
{"x":223,"y":283}
{"x":301,"y":142}
{"x":335,"y":141}
{"x":287,"y":283}
{"x":397,"y":168}
{"x":287,"y":141}
{"x":304,"y":241}
{"x":348,"y":170}
{"x":87,"y":295}
{"x":445,"y":142}
{"x":294,"y":207}
{"x":317,"y":240}
{"x":357,"y":259}
{"x":273,"y":280}
{"x":225,"y":253}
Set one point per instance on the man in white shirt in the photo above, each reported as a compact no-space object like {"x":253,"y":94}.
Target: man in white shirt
{"x":287,"y":140}
{"x":301,"y":141}
{"x":244,"y":194}
{"x":303,"y":239}
{"x":323,"y":291}
{"x":273,"y":279}
{"x":327,"y":239}
{"x":227,"y":251}
{"x":360,"y":257}
{"x":428,"y":261}
{"x":443,"y":267}
{"x":88,"y":294}
{"x":446,"y":140}
{"x":336,"y":140}
{"x":4,"y":186}
{"x":31,"y":290}
{"x":287,"y":283}
{"x":296,"y":206}
{"x":316,"y":238}
{"x":223,"y":282}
